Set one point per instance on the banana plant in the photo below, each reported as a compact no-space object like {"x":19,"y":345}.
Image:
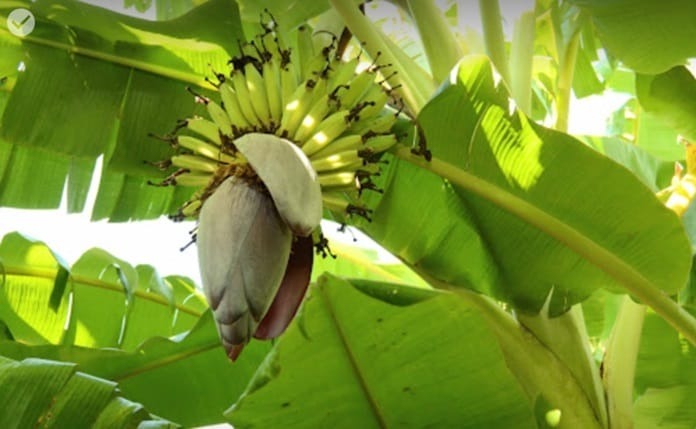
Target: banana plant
{"x":551,"y":271}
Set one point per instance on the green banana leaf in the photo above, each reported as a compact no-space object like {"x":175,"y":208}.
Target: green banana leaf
{"x":152,"y":335}
{"x":665,"y":378}
{"x":356,"y":262}
{"x":43,"y":393}
{"x":648,"y":36}
{"x":186,"y":378}
{"x":291,"y":14}
{"x":126,"y":69}
{"x":668,"y":408}
{"x":101,"y":301}
{"x":653,"y":172}
{"x":671,"y":96}
{"x":637,"y":127}
{"x":469,"y":126}
{"x":663,"y":359}
{"x":354,"y":361}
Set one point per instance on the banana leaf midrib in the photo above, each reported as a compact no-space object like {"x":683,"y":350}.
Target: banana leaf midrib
{"x":168,"y":72}
{"x":50,"y":274}
{"x":631,"y":279}
{"x":350,"y":356}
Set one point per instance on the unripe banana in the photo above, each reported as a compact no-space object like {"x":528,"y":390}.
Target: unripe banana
{"x":318,"y":91}
{"x":334,"y":202}
{"x":244,"y":98}
{"x":202,"y":148}
{"x":196,"y":180}
{"x":288,"y":84}
{"x":372,"y":93}
{"x":313,"y":118}
{"x":341,"y":144}
{"x":317,"y":68}
{"x":297,"y":108}
{"x":328,"y":129}
{"x":195,"y":164}
{"x":369,"y":169}
{"x":343,"y":73}
{"x":219,"y":116}
{"x":269,"y":42}
{"x":347,"y":159}
{"x":257,"y":94}
{"x":340,"y":179}
{"x":271,"y":78}
{"x":205,"y":128}
{"x":380,"y":143}
{"x":191,"y":209}
{"x":356,"y":88}
{"x":305,"y":51}
{"x":234,"y":110}
{"x":376,"y":124}
{"x":377,"y":99}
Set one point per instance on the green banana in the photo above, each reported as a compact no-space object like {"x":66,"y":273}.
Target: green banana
{"x":356,"y":88}
{"x":380,"y":143}
{"x":219,"y":116}
{"x":343,"y":73}
{"x":377,"y":99}
{"x":257,"y":94}
{"x":341,"y":144}
{"x":194,"y":163}
{"x":288,"y":84}
{"x":205,"y":149}
{"x":313,"y":118}
{"x":234,"y":110}
{"x":205,"y":128}
{"x":347,"y":159}
{"x":328,"y":130}
{"x":244,"y":98}
{"x":305,"y":51}
{"x":340,"y":179}
{"x":271,"y":79}
{"x":196,"y":180}
{"x":376,"y":124}
{"x":296,"y":108}
{"x":334,"y":202}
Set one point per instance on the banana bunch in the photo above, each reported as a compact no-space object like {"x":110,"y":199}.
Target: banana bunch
{"x":294,"y":132}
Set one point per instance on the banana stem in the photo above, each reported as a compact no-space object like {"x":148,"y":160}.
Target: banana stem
{"x":565,"y":82}
{"x":620,"y":363}
{"x":566,"y":336}
{"x":521,"y":61}
{"x":441,"y":46}
{"x":632,"y":280}
{"x":537,"y":369}
{"x":493,"y":36}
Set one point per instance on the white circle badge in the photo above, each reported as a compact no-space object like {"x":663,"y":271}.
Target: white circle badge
{"x":20,"y":22}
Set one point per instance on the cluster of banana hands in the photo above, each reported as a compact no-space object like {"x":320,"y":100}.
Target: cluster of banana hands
{"x":296,"y":131}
